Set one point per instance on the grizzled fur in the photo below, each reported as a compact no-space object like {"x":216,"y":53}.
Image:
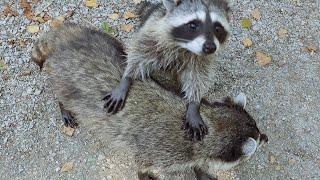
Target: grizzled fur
{"x":85,"y":61}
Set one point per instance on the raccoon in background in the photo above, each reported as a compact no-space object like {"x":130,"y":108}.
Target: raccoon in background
{"x":179,"y":38}
{"x":81,"y":62}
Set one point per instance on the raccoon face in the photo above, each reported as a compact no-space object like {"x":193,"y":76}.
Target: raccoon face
{"x":237,"y":132}
{"x":199,"y":27}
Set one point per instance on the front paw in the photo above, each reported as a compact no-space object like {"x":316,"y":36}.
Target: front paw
{"x":114,"y":101}
{"x":194,"y":126}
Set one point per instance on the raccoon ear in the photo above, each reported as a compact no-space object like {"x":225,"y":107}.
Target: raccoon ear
{"x":249,"y":147}
{"x":241,"y":100}
{"x":170,"y":4}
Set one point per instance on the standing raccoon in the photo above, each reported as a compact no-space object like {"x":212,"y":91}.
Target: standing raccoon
{"x":81,"y":62}
{"x":180,"y":39}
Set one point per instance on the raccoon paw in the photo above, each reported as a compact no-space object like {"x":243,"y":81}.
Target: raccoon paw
{"x":68,"y":118}
{"x":195,"y":128}
{"x":114,"y":101}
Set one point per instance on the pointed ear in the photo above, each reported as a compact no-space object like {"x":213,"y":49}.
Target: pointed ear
{"x":249,"y":147}
{"x":170,"y":4}
{"x":241,"y":100}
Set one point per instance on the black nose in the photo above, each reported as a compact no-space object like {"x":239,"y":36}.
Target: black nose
{"x":209,"y":47}
{"x":264,"y":138}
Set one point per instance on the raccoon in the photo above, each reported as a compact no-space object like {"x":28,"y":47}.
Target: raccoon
{"x":85,"y":61}
{"x":179,"y":38}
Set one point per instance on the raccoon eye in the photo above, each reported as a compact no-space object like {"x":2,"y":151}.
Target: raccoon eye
{"x":194,"y":25}
{"x":218,"y":28}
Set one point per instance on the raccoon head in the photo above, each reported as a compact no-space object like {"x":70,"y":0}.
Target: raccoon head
{"x":199,"y":27}
{"x":235,"y":136}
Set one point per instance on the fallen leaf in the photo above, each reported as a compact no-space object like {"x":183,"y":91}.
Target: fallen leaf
{"x":127,"y":27}
{"x":67,"y":167}
{"x":11,"y":42}
{"x":91,"y":3}
{"x":247,"y":42}
{"x":272,"y":159}
{"x":39,"y":19}
{"x":282,"y":32}
{"x":46,"y":17}
{"x":26,"y":73}
{"x":25,"y":5}
{"x":22,"y":43}
{"x":312,"y":49}
{"x":291,"y":161}
{"x":107,"y":29}
{"x":9,"y":12}
{"x":3,"y":65}
{"x":128,"y":15}
{"x":256,"y":14}
{"x":114,"y":16}
{"x":246,"y":23}
{"x":33,"y":28}
{"x":278,"y":168}
{"x":263,"y":59}
{"x":68,"y":130}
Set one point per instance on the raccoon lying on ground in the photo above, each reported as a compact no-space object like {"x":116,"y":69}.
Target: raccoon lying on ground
{"x":81,"y":62}
{"x":180,"y":38}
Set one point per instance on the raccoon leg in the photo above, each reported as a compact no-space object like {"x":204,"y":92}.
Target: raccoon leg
{"x":201,"y":175}
{"x":115,"y":100}
{"x":193,"y":124}
{"x":67,"y":117}
{"x":193,"y":85}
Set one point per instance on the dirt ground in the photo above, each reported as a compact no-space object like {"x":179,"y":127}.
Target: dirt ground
{"x":283,"y":95}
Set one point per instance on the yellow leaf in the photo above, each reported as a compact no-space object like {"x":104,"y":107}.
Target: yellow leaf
{"x":246,"y":23}
{"x":263,"y":59}
{"x":67,"y":167}
{"x":114,"y":16}
{"x":256,"y":14}
{"x":33,"y":28}
{"x":282,"y":32}
{"x":128,"y":15}
{"x":68,"y":130}
{"x":91,"y":3}
{"x":247,"y":42}
{"x":127,"y":27}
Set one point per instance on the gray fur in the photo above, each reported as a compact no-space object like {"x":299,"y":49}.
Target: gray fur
{"x":85,"y":62}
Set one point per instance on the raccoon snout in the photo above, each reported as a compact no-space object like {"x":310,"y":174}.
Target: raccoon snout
{"x":209,"y":47}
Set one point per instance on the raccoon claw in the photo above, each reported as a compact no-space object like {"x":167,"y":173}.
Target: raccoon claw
{"x":194,"y":126}
{"x":114,"y":101}
{"x":68,"y":119}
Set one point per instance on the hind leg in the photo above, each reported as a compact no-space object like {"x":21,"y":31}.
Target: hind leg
{"x":67,"y":117}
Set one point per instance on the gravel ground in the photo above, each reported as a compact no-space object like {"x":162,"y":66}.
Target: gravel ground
{"x":283,"y":96}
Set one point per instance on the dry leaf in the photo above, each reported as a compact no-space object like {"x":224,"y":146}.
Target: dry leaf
{"x":247,"y":42}
{"x":282,"y":32}
{"x":127,"y":27}
{"x":91,"y":3}
{"x":67,"y":167}
{"x":39,"y":19}
{"x":3,"y":65}
{"x":22,"y":43}
{"x":68,"y":130}
{"x":128,"y":15}
{"x":256,"y":14}
{"x":46,"y":17}
{"x":263,"y":59}
{"x":25,"y":5}
{"x":312,"y":49}
{"x":33,"y":28}
{"x":8,"y":11}
{"x":114,"y":16}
